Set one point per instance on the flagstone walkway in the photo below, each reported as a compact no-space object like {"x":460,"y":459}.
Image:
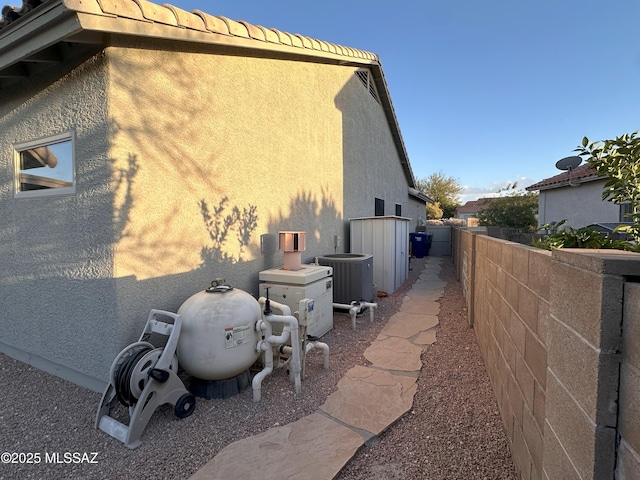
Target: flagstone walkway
{"x":368,"y":400}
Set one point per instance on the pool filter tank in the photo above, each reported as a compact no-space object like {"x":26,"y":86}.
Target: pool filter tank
{"x":217,"y":344}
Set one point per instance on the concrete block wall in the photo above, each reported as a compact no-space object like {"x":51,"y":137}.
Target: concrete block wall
{"x":628,"y":461}
{"x":585,"y":341}
{"x":510,"y":311}
{"x":560,"y":335}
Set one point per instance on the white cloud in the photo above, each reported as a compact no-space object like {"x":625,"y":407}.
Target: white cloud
{"x":474,"y":192}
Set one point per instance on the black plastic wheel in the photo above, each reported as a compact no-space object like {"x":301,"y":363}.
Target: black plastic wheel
{"x":185,"y":405}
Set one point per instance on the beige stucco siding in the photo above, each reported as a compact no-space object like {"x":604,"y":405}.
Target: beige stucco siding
{"x":258,"y":132}
{"x":371,"y":163}
{"x":57,"y":300}
{"x":187,"y":166}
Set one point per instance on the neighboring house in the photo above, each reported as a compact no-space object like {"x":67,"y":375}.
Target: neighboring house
{"x":146,"y":150}
{"x":577,"y":199}
{"x":469,"y":211}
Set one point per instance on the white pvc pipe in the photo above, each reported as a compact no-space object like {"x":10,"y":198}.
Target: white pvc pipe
{"x":325,"y":352}
{"x":310,"y":346}
{"x":262,"y":346}
{"x":290,"y":330}
{"x":354,"y":308}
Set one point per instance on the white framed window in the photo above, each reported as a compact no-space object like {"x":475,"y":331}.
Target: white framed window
{"x":45,"y":166}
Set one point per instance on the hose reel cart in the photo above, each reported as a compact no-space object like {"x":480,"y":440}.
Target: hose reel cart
{"x":142,"y":378}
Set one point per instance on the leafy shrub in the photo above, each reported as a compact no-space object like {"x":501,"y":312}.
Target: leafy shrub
{"x":585,"y":237}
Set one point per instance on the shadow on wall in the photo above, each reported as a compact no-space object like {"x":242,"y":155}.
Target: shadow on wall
{"x":123,"y":202}
{"x":320,"y":219}
{"x":220,"y":227}
{"x":227,"y":223}
{"x":61,"y":275}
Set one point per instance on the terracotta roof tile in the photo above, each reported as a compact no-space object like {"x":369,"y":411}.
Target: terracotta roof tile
{"x":474,"y":206}
{"x":121,"y":8}
{"x":144,"y":10}
{"x":580,"y":174}
{"x":269,"y":35}
{"x":213,"y":24}
{"x":178,"y":24}
{"x":186,"y":19}
{"x":156,"y":13}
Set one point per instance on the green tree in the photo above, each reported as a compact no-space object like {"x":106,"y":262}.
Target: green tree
{"x":619,"y":161}
{"x":443,"y":190}
{"x":516,"y":210}
{"x":434,"y":212}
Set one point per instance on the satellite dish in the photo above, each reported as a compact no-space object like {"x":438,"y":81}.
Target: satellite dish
{"x":568,"y":163}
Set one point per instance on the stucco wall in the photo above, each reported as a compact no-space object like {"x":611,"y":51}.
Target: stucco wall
{"x":199,"y":132}
{"x":580,"y":206}
{"x":57,"y":300}
{"x":188,"y":166}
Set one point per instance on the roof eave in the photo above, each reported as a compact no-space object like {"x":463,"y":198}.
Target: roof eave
{"x":394,"y":125}
{"x":565,"y":183}
{"x":36,"y":31}
{"x":419,"y":195}
{"x":134,"y":27}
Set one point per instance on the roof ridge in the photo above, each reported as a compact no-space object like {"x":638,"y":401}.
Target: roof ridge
{"x":167,"y":14}
{"x":584,"y":172}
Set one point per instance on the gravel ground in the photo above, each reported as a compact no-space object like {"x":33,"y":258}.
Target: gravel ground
{"x":453,"y":430}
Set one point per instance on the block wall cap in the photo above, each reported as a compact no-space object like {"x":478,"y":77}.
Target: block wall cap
{"x":606,"y":262}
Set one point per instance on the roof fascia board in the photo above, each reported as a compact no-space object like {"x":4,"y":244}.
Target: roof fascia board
{"x":418,"y":194}
{"x":137,"y":28}
{"x":565,"y":183}
{"x":41,"y":31}
{"x":394,"y":125}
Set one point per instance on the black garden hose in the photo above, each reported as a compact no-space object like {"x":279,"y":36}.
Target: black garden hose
{"x":122,"y":379}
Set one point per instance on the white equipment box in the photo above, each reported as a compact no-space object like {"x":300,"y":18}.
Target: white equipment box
{"x":291,"y":286}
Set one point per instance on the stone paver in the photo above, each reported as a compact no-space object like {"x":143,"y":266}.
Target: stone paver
{"x":367,"y":401}
{"x":283,"y":452}
{"x":371,"y":399}
{"x":426,"y":294}
{"x":406,"y":325}
{"x":421,"y":306}
{"x":394,"y":353}
{"x":426,"y":338}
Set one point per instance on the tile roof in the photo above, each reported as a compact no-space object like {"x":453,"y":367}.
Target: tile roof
{"x":197,"y":20}
{"x":581,"y":174}
{"x":474,"y":206}
{"x":11,"y":14}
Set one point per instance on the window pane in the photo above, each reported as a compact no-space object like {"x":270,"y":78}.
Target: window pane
{"x":46,"y":166}
{"x":379,"y":207}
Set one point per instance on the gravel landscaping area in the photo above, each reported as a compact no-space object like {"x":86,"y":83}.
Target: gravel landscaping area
{"x":454,"y":430}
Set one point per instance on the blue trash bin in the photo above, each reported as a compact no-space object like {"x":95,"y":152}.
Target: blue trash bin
{"x":418,"y":244}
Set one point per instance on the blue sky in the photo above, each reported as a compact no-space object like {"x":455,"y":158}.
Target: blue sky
{"x":489,"y":92}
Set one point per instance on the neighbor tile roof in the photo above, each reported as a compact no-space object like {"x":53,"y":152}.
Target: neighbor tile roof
{"x":474,"y":206}
{"x":197,"y":20}
{"x":581,"y":174}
